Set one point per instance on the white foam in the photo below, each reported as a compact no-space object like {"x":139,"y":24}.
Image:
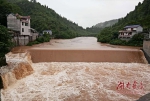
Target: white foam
{"x":78,"y":81}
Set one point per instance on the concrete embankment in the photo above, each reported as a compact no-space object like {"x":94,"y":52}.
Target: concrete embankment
{"x":66,"y":55}
{"x":146,"y":49}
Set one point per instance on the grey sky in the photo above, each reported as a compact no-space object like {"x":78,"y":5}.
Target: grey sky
{"x":87,"y":13}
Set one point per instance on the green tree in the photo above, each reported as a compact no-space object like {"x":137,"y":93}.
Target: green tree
{"x":5,"y":43}
{"x":137,"y":40}
{"x":5,"y":9}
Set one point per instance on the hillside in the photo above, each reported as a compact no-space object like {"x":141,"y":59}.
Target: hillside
{"x":140,"y":16}
{"x":43,"y":18}
{"x":98,"y":27}
{"x":106,"y":23}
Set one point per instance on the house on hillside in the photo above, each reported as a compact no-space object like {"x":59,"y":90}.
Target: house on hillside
{"x":20,"y":26}
{"x":47,"y":31}
{"x":129,"y":32}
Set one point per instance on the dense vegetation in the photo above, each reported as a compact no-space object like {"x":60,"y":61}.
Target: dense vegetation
{"x":6,"y":8}
{"x":93,"y":29}
{"x":5,"y":37}
{"x":5,"y":44}
{"x":139,"y":16}
{"x":41,"y":39}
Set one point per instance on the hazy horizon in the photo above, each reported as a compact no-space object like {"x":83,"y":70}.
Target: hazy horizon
{"x":87,"y":13}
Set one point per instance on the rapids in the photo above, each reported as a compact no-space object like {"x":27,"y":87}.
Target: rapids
{"x":80,"y":82}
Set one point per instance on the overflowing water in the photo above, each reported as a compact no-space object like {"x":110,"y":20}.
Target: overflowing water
{"x":81,"y":81}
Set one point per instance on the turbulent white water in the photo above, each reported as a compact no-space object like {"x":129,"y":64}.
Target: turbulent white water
{"x":80,"y":82}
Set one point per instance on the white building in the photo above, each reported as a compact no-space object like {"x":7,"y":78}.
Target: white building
{"x":130,"y":31}
{"x":21,"y":25}
{"x":47,"y":31}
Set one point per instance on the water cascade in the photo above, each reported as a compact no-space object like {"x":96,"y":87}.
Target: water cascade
{"x":19,"y":66}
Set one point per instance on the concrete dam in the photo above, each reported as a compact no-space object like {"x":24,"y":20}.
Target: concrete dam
{"x":66,"y":55}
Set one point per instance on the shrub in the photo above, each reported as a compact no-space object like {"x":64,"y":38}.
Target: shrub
{"x":41,"y":39}
{"x":118,"y":42}
{"x":32,"y":43}
{"x":137,"y":40}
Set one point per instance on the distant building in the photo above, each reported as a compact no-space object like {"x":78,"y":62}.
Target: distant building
{"x":47,"y":31}
{"x":21,"y":27}
{"x":129,"y":32}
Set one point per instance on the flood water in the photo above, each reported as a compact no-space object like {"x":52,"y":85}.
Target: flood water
{"x":80,"y":43}
{"x":81,"y":81}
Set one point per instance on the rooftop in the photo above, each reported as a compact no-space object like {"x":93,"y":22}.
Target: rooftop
{"x":124,"y":31}
{"x":132,"y":26}
{"x":47,"y":31}
{"x":21,"y":17}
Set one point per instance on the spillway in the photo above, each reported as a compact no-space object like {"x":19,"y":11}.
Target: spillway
{"x":73,"y":55}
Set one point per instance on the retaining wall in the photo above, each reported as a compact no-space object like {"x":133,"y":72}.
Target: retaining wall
{"x":146,"y":49}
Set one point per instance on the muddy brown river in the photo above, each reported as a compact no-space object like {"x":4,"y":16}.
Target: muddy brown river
{"x":69,"y":70}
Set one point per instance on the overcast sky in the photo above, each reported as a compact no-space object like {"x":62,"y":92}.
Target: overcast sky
{"x":87,"y":13}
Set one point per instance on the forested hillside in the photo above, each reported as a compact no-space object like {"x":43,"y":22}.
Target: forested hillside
{"x":43,"y":18}
{"x":139,"y":16}
{"x":106,"y":23}
{"x":98,"y":27}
